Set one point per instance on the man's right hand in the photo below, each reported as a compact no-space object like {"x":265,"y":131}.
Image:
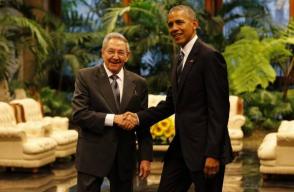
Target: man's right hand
{"x":127,"y":121}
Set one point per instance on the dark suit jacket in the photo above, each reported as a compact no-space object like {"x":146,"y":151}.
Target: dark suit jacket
{"x":201,"y":107}
{"x":100,"y":146}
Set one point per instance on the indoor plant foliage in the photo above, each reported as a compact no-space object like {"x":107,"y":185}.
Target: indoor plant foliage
{"x":265,"y":109}
{"x":163,"y":131}
{"x":17,"y":34}
{"x":249,"y":60}
{"x":55,"y":103}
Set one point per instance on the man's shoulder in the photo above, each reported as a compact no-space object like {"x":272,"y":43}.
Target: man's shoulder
{"x":206,"y":47}
{"x":206,"y":51}
{"x":88,"y":70}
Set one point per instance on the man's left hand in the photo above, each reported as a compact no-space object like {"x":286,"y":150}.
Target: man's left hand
{"x":144,"y":169}
{"x":211,"y":166}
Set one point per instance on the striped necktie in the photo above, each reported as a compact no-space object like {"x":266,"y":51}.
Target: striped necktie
{"x":180,"y":66}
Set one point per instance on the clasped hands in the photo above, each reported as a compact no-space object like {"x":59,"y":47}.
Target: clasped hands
{"x":127,"y":121}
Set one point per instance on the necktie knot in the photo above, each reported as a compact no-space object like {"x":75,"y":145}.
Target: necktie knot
{"x":181,"y":57}
{"x":114,"y":77}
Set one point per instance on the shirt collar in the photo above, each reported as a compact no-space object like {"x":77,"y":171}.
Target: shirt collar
{"x":120,"y":74}
{"x":188,"y":47}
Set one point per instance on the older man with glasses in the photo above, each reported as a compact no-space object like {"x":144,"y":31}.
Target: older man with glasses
{"x":104,"y":149}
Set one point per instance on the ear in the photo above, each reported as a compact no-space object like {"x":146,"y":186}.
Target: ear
{"x":195,"y":24}
{"x":127,"y":57}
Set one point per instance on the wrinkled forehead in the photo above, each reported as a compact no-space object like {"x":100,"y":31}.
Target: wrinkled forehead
{"x":116,"y":43}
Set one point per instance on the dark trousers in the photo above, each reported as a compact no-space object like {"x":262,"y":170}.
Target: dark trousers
{"x":176,"y":177}
{"x":90,"y":183}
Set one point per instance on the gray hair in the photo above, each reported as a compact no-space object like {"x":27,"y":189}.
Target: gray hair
{"x":188,"y":10}
{"x":115,"y":35}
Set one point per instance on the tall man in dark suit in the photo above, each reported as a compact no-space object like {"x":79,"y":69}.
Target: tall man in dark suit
{"x":199,"y":97}
{"x":104,"y":149}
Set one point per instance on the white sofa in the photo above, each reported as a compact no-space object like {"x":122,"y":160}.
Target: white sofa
{"x":30,"y":110}
{"x":276,"y":152}
{"x":23,"y":144}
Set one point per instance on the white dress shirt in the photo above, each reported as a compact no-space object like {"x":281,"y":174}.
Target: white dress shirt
{"x":120,"y":81}
{"x":188,"y":47}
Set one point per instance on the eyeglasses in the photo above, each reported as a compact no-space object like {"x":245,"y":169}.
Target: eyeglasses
{"x":112,"y":52}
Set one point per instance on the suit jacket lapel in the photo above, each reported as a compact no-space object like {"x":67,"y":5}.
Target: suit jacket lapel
{"x":188,"y":65}
{"x":174,"y":82}
{"x":103,"y":86}
{"x":185,"y":72}
{"x":128,"y":90}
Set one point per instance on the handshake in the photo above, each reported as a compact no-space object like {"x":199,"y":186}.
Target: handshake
{"x":127,"y":121}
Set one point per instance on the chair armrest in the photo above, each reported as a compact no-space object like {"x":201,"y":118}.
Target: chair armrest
{"x":267,"y":149}
{"x":58,"y":123}
{"x":12,"y":133}
{"x":236,"y":121}
{"x":236,"y":134}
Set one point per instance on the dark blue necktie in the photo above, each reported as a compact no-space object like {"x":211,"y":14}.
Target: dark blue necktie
{"x":180,"y":66}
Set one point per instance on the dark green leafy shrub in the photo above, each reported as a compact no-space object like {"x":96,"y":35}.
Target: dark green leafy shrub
{"x":265,"y":110}
{"x":55,"y":103}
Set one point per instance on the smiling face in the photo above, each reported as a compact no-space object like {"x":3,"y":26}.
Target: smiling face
{"x":115,"y":54}
{"x":181,"y":26}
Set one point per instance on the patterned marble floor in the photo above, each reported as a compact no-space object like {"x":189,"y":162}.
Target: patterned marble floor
{"x":241,"y":175}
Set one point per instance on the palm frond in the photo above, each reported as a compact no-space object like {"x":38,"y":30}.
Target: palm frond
{"x":73,"y":62}
{"x":112,"y":15}
{"x":4,"y":58}
{"x":287,"y":34}
{"x":36,"y":30}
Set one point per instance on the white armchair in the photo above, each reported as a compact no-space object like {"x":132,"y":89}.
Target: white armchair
{"x":236,"y":121}
{"x":276,"y":152}
{"x":24,"y":144}
{"x":29,"y":110}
